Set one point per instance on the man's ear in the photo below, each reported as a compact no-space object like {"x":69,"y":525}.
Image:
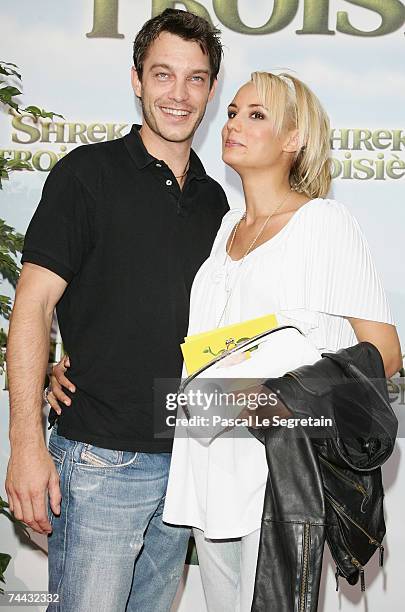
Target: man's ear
{"x":212,"y":90}
{"x":291,"y":143}
{"x":136,"y":82}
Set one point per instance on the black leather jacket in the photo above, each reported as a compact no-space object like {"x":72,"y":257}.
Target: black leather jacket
{"x":325,"y":484}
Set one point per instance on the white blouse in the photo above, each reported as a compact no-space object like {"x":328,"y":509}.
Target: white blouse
{"x":313,"y":273}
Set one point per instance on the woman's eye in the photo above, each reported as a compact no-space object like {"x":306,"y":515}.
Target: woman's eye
{"x":257,"y":115}
{"x":231,"y":114}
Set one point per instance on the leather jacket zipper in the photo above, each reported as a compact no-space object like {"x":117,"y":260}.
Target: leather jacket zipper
{"x":353,"y":560}
{"x":358,"y":565}
{"x":371,"y":540}
{"x":305,"y":564}
{"x":342,"y":476}
{"x":340,"y":509}
{"x":361,"y":572}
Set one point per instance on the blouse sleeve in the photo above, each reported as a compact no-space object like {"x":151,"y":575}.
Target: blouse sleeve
{"x":343,"y":279}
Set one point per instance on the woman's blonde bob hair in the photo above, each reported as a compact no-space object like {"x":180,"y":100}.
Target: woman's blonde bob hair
{"x":293,"y":105}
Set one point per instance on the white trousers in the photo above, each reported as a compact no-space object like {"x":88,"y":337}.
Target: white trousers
{"x":228,"y":569}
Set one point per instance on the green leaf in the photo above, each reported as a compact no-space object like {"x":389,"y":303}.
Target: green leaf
{"x":4,"y":561}
{"x":12,"y":104}
{"x":3,"y":503}
{"x":9,"y":92}
{"x":33,"y":110}
{"x":3,"y":175}
{"x":38,"y":112}
{"x":11,"y":244}
{"x":5,"y":307}
{"x":17,"y":164}
{"x":9,"y":71}
{"x":8,"y":64}
{"x":8,"y":515}
{"x":8,"y":165}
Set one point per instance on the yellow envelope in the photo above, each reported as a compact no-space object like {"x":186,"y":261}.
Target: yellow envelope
{"x":200,"y":349}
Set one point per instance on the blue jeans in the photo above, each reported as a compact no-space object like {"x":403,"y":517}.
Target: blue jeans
{"x":110,"y":550}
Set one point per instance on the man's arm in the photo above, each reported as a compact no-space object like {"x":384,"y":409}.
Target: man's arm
{"x":31,"y":473}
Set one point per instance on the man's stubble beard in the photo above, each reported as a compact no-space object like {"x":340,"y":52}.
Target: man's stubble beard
{"x":153,"y":125}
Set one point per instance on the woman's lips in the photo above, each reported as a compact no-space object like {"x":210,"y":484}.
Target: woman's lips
{"x":233,"y":143}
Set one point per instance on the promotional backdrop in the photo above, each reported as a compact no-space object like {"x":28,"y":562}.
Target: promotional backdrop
{"x":75,"y":59}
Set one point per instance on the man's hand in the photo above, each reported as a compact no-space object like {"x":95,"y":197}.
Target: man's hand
{"x":31,"y":475}
{"x":58,"y":380}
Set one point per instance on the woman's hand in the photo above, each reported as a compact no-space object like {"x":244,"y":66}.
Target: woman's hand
{"x":58,"y":380}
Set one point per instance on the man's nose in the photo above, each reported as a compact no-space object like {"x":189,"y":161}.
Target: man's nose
{"x":179,"y":91}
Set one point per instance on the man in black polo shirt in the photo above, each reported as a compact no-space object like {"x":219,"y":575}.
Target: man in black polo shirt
{"x":121,"y":229}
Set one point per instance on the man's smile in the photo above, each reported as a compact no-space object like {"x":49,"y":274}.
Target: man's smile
{"x":175,"y":112}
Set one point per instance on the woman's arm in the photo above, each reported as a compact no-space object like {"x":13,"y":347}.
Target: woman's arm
{"x":384,"y":336}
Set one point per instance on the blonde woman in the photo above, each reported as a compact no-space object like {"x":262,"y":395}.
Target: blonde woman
{"x":292,"y":252}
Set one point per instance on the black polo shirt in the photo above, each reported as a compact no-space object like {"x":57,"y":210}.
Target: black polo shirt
{"x":113,"y":222}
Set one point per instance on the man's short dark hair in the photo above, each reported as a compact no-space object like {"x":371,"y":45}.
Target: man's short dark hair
{"x":186,"y":25}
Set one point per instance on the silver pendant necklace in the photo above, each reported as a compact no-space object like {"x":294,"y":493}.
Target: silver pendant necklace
{"x":252,"y":244}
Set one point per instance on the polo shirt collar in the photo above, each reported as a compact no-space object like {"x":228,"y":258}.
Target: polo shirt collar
{"x":143,"y":158}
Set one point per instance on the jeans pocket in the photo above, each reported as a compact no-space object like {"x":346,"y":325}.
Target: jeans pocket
{"x":96,"y":457}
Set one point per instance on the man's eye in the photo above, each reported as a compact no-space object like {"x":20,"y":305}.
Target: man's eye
{"x":162,"y":75}
{"x":257,"y":115}
{"x":197,"y":78}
